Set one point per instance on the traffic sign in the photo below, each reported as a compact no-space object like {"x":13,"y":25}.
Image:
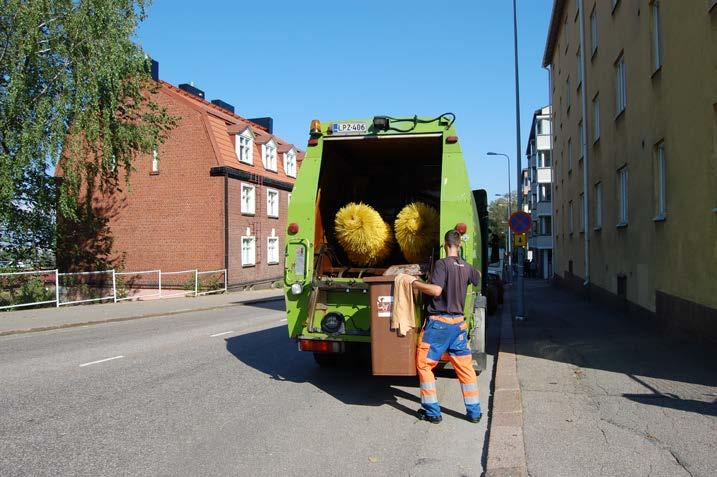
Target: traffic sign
{"x":520,"y":222}
{"x":520,"y":240}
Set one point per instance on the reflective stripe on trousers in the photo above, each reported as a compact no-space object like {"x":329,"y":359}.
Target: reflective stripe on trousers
{"x":441,"y":335}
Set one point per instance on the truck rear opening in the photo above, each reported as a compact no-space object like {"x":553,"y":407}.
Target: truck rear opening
{"x":384,"y":172}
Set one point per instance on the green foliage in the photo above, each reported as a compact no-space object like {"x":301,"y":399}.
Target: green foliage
{"x":74,"y":89}
{"x":24,"y":289}
{"x":498,"y":216}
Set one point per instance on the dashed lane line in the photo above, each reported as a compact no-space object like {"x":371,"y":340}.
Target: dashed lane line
{"x":221,"y":334}
{"x":100,"y":361}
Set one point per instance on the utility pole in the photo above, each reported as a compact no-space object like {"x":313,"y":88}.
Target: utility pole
{"x":520,"y":289}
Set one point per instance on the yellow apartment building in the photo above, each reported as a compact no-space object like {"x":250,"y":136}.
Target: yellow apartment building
{"x":633,"y":87}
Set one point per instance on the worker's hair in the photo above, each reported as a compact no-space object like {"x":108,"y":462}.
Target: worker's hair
{"x":453,"y":238}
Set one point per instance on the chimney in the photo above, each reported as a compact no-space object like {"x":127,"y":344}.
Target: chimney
{"x":225,"y":106}
{"x":155,"y":70}
{"x":191,"y":89}
{"x":267,"y":123}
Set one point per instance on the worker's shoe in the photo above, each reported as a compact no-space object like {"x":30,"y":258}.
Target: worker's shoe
{"x":425,"y":417}
{"x":474,"y":418}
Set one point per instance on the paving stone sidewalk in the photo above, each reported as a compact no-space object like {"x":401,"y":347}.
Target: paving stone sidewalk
{"x":606,"y":394}
{"x":41,"y":319}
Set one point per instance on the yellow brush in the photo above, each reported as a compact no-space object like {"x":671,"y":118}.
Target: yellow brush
{"x":417,"y":231}
{"x":364,"y":235}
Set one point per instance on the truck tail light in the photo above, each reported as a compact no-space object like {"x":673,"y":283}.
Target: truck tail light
{"x":452,"y":139}
{"x":321,"y":346}
{"x":293,"y":228}
{"x":461,"y":228}
{"x":313,"y":142}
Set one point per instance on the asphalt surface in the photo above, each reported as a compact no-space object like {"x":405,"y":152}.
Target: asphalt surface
{"x":216,"y":392}
{"x":607,"y":395}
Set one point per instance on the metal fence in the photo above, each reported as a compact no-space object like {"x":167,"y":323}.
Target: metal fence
{"x":22,"y":289}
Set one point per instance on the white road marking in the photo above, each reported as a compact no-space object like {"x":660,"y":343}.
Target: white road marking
{"x":100,"y":361}
{"x":221,"y":334}
{"x":282,"y":321}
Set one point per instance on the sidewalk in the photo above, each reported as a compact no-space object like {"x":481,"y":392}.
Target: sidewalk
{"x":604,"y":394}
{"x":42,"y":319}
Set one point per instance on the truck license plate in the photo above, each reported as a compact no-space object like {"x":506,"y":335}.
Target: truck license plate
{"x":349,"y":128}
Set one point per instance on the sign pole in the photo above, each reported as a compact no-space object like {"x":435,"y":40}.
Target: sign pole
{"x":520,"y":306}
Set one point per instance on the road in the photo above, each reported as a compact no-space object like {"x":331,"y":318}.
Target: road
{"x":215,"y":393}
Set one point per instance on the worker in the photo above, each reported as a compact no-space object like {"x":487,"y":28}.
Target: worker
{"x":445,"y":331}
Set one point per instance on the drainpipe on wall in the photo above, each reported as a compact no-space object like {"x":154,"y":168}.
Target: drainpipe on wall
{"x":226,"y":223}
{"x":586,"y":174}
{"x":553,"y":233}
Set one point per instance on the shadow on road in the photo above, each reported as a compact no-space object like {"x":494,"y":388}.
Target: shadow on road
{"x":276,"y":304}
{"x":562,"y":327}
{"x":351,"y":382}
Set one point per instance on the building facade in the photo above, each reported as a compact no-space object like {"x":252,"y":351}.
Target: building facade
{"x":213,"y":196}
{"x":634,"y":98}
{"x":539,"y":194}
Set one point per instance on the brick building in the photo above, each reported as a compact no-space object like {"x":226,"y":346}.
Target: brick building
{"x":213,"y":196}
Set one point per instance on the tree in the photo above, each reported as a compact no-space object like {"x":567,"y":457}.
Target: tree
{"x":498,"y":216}
{"x":73,"y":85}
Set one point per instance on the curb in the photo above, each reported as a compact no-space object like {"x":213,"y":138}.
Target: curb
{"x":506,"y":449}
{"x":139,"y":317}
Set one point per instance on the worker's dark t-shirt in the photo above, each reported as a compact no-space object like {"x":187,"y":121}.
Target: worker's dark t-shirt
{"x":453,"y":275}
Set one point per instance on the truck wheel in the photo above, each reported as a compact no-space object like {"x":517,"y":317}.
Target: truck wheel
{"x":326,"y":360}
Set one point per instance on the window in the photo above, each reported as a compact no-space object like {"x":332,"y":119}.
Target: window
{"x":570,"y":217}
{"x":660,"y":193}
{"x":622,"y":197}
{"x":248,"y":251}
{"x":543,"y":126}
{"x":248,"y":199}
{"x":598,"y":206}
{"x":582,"y":213}
{"x":582,"y":138}
{"x":580,"y":69}
{"x":155,"y":161}
{"x":570,"y":155}
{"x":545,"y":227}
{"x":656,"y":36}
{"x":544,"y":191}
{"x":620,"y":86}
{"x":568,"y":95}
{"x":614,"y":4}
{"x":244,"y":147}
{"x":272,"y":203}
{"x":290,"y":163}
{"x":272,"y":250}
{"x":596,"y":118}
{"x":594,"y":35}
{"x":268,"y":156}
{"x":544,"y":159}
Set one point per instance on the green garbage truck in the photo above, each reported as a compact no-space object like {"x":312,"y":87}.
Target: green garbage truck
{"x":335,"y":306}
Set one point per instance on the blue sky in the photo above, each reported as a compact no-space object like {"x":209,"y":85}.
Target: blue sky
{"x":295,"y":61}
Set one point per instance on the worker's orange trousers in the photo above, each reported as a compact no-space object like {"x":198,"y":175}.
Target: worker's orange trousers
{"x":446,"y":334}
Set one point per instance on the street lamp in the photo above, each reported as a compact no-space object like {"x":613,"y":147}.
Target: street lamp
{"x":509,"y":237}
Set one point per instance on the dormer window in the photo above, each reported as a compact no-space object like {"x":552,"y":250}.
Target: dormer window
{"x":269,"y":155}
{"x":245,"y":147}
{"x":290,"y":163}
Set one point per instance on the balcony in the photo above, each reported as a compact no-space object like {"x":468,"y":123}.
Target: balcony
{"x":543,"y":142}
{"x":541,"y":242}
{"x":545,"y":175}
{"x":543,"y":208}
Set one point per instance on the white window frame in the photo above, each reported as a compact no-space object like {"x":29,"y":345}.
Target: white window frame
{"x":656,"y":35}
{"x":244,"y":147}
{"x":620,"y":86}
{"x":268,"y":156}
{"x":622,"y":197}
{"x":248,"y":259}
{"x":247,"y":208}
{"x":272,"y":259}
{"x":594,"y":33}
{"x":598,"y":206}
{"x":596,"y":118}
{"x":290,"y":163}
{"x":155,"y":160}
{"x":270,"y":212}
{"x":661,"y":177}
